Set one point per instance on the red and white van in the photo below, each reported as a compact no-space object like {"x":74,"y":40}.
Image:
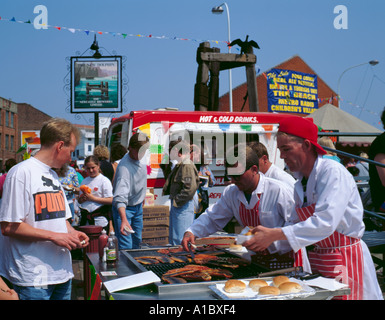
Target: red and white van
{"x":213,"y":131}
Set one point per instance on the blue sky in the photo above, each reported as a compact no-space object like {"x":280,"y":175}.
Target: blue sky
{"x":162,"y":72}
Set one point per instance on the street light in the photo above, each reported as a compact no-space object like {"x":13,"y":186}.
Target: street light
{"x":219,"y":10}
{"x":95,"y":47}
{"x":371,"y":62}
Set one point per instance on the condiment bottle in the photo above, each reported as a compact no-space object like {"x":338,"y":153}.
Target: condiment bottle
{"x":102,"y":242}
{"x":113,"y":236}
{"x":110,"y":251}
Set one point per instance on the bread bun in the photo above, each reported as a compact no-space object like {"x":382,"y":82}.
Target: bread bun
{"x":249,"y":233}
{"x":278,"y":280}
{"x":234,"y":286}
{"x":256,"y":284}
{"x":269,"y":290}
{"x":290,"y":287}
{"x":235,"y":247}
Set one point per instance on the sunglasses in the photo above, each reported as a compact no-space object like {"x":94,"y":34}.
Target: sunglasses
{"x":238,"y":177}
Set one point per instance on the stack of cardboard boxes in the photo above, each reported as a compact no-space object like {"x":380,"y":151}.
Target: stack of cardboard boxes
{"x":156,"y":222}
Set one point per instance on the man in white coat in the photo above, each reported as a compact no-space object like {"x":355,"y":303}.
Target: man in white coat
{"x":268,"y":168}
{"x":331,"y":212}
{"x":253,"y":200}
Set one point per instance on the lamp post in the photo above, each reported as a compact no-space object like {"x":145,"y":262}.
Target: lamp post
{"x":371,"y":62}
{"x":219,"y":10}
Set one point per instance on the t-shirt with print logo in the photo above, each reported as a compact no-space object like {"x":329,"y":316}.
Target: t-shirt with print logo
{"x":33,"y":194}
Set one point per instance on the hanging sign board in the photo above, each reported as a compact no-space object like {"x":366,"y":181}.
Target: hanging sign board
{"x":96,"y":84}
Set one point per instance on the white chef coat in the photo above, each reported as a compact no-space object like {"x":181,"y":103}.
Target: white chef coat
{"x":276,"y":209}
{"x":276,"y":172}
{"x":338,"y":207}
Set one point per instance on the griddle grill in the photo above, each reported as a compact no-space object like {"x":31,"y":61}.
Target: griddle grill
{"x":242,"y":272}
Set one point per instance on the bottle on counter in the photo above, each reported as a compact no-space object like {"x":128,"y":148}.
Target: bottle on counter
{"x":112,"y":235}
{"x":110,"y":251}
{"x":149,"y":198}
{"x":102,"y":242}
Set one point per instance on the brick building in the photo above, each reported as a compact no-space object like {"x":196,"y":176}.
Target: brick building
{"x":295,"y":63}
{"x":8,"y":130}
{"x":29,"y":119}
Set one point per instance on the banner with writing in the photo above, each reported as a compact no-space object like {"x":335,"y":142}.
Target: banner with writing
{"x":291,"y":91}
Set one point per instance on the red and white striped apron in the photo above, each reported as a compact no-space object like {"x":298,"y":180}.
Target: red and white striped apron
{"x":250,"y":217}
{"x":337,"y":256}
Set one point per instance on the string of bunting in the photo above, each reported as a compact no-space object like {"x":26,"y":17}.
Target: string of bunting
{"x":120,"y":34}
{"x":289,"y":95}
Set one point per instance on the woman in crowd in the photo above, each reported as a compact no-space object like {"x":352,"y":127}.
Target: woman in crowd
{"x":96,"y":200}
{"x":69,"y":180}
{"x":327,"y":142}
{"x":103,"y":154}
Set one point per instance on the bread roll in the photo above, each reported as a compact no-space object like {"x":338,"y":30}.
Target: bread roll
{"x":256,"y":284}
{"x":278,"y":280}
{"x":269,"y":290}
{"x":290,"y":287}
{"x":235,"y":247}
{"x":234,"y":286}
{"x":249,"y":233}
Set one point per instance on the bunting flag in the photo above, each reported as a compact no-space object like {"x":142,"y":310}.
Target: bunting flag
{"x":120,"y":34}
{"x":335,"y":98}
{"x":26,"y":155}
{"x":22,"y":148}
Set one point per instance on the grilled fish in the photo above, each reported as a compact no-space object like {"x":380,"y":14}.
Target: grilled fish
{"x":196,"y":273}
{"x":182,"y":259}
{"x":173,"y":280}
{"x":147,"y":261}
{"x":204,"y":258}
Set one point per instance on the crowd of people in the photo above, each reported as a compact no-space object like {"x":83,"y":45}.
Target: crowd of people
{"x":314,"y":203}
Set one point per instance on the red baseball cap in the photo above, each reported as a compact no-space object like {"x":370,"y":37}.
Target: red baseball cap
{"x":302,"y":127}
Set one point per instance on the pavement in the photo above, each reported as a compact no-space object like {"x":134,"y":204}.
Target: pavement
{"x":78,"y":280}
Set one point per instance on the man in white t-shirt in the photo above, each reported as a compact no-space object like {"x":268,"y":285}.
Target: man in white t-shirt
{"x":36,"y":237}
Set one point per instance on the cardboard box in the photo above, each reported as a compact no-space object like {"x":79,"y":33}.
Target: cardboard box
{"x":163,"y":221}
{"x":161,"y":241}
{"x":155,"y":211}
{"x":155,"y":232}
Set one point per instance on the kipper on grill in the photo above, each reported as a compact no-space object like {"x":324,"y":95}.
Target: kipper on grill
{"x":195,"y":273}
{"x":197,"y":276}
{"x":165,"y":259}
{"x":170,"y":250}
{"x":174,"y":280}
{"x":154,"y":259}
{"x":204,"y":258}
{"x":182,"y":259}
{"x":190,"y":268}
{"x":146,"y":261}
